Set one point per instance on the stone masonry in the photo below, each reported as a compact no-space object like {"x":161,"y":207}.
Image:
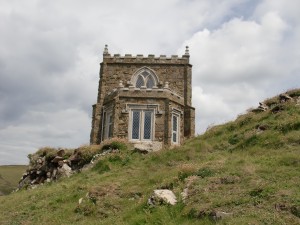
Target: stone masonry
{"x":146,"y":100}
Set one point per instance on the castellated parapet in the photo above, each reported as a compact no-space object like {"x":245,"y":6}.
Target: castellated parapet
{"x":146,"y":100}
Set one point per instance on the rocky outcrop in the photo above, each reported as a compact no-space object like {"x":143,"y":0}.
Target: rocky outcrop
{"x":275,"y":104}
{"x":48,"y":165}
{"x":261,"y":108}
{"x":42,"y":171}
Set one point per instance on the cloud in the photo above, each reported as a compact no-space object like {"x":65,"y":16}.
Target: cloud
{"x":241,"y":63}
{"x":241,"y":51}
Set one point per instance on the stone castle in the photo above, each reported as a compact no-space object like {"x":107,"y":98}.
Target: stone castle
{"x":146,"y":100}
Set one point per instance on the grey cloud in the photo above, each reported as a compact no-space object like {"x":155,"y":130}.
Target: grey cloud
{"x":50,"y":53}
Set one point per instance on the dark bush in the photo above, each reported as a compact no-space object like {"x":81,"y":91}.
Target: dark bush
{"x":205,"y":172}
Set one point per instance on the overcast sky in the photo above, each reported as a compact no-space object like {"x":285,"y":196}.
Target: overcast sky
{"x":242,"y":52}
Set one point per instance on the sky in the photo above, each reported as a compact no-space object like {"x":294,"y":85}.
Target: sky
{"x":242,"y":52}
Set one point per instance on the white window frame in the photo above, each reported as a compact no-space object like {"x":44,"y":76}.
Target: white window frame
{"x":142,"y":110}
{"x":107,"y":124}
{"x":177,"y":131}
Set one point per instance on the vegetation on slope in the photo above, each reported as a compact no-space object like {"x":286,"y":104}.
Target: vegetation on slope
{"x":248,"y":168}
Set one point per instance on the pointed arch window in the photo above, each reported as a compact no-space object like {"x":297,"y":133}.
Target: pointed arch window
{"x":140,"y":82}
{"x":145,"y":78}
{"x":150,"y":82}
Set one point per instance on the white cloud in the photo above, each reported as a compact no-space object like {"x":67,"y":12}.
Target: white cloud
{"x":241,"y":51}
{"x":241,"y":63}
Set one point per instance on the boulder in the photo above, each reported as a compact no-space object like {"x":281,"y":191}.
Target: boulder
{"x":61,"y":153}
{"x":160,"y":196}
{"x":147,"y":147}
{"x":57,"y":159}
{"x":64,"y":171}
{"x":218,"y":215}
{"x":263,"y":107}
{"x":285,"y":98}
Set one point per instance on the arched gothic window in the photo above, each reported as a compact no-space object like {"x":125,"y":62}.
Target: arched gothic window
{"x":145,"y":78}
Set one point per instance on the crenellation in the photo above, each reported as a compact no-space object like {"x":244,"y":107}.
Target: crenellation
{"x":151,"y":58}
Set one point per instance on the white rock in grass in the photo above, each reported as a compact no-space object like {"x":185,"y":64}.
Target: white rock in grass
{"x":164,"y":195}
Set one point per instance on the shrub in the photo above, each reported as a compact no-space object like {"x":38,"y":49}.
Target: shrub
{"x":204,"y":172}
{"x":115,"y":159}
{"x":101,"y":167}
{"x":115,"y":143}
{"x":294,"y":92}
{"x":234,"y":139}
{"x":287,"y":127}
{"x":87,"y":152}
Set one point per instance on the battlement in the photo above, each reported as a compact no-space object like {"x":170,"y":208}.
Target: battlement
{"x":151,"y":58}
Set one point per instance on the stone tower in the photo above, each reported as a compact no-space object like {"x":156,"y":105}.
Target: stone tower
{"x":146,"y":100}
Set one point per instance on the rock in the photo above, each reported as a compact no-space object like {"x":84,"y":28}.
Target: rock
{"x":262,"y":127}
{"x":144,"y":148}
{"x":188,"y":182}
{"x":217,"y":215}
{"x":277,"y":109}
{"x":184,"y":194}
{"x":140,"y":150}
{"x":262,"y":106}
{"x":39,"y":161}
{"x":75,"y":157}
{"x":24,"y":182}
{"x":281,"y":207}
{"x":285,"y":98}
{"x":162,"y":195}
{"x":61,"y":153}
{"x":54,"y":172}
{"x":44,"y":169}
{"x":61,"y":163}
{"x":57,"y":159}
{"x":298,"y":101}
{"x":65,"y":170}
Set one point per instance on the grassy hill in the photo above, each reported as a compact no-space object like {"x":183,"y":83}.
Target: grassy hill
{"x":9,"y":177}
{"x":247,"y":170}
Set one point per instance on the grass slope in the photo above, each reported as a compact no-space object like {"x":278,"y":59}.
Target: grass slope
{"x":9,"y":177}
{"x":235,"y":168}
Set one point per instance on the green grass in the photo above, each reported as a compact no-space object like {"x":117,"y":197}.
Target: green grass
{"x":232,"y":168}
{"x":9,"y":177}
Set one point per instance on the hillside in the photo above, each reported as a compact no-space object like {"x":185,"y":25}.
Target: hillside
{"x":9,"y":177}
{"x":242,"y":172}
